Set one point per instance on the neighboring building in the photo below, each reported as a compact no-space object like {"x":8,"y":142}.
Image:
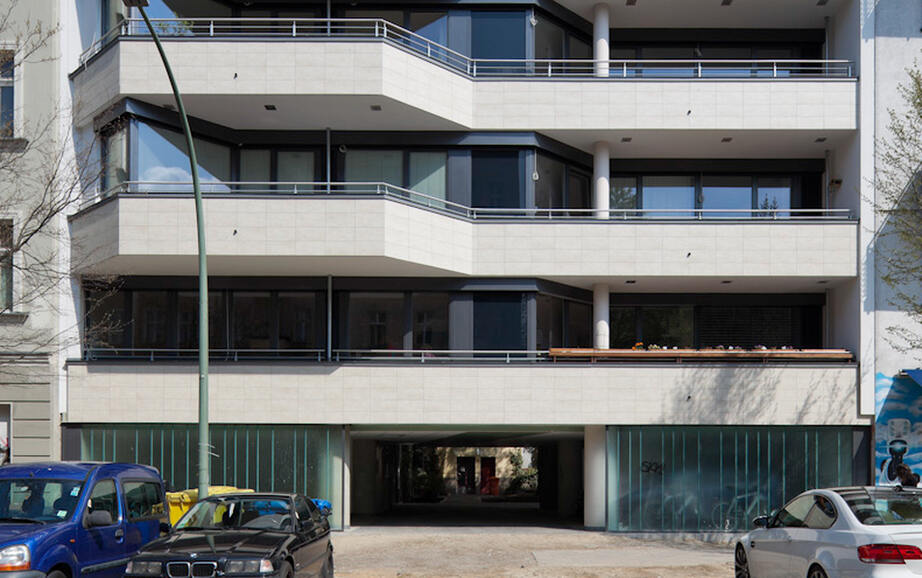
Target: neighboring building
{"x":407,"y":206}
{"x":31,"y":137}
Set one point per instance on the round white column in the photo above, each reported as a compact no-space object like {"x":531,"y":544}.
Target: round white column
{"x":600,"y":316}
{"x":601,"y":173}
{"x":600,"y":33}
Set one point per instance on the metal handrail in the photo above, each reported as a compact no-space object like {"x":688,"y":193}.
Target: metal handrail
{"x":237,"y":354}
{"x":228,"y":354}
{"x":383,"y":30}
{"x":231,"y":189}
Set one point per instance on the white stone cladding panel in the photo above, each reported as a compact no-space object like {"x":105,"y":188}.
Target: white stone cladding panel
{"x":146,"y":227}
{"x":515,"y":395}
{"x":376,"y":69}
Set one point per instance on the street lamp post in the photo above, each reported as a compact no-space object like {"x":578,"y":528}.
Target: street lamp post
{"x":204,"y":454}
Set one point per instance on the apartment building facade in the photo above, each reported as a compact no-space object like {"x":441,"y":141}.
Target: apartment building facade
{"x":34,"y":184}
{"x":415,"y":213}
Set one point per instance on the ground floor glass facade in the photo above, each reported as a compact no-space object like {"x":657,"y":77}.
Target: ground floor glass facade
{"x":706,"y":478}
{"x":268,"y":458}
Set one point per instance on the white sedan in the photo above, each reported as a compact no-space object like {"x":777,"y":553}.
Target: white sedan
{"x":839,"y":532}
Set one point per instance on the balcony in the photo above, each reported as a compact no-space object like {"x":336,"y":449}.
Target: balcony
{"x":472,"y":393}
{"x":376,"y":229}
{"x":327,"y":72}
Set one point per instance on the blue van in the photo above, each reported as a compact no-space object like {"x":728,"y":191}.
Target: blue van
{"x":71,"y":519}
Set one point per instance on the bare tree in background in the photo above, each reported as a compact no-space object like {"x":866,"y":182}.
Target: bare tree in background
{"x":42,"y":178}
{"x":898,"y":202}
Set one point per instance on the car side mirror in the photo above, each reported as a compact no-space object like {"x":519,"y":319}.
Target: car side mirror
{"x":760,"y":522}
{"x":98,"y":519}
{"x":326,"y":511}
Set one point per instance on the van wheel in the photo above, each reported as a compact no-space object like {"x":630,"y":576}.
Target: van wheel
{"x":56,"y":574}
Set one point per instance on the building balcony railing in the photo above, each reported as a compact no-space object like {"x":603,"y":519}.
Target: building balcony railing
{"x":321,"y":29}
{"x":422,"y":356}
{"x":240,"y":189}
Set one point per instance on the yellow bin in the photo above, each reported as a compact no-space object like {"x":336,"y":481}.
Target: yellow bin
{"x":180,"y":502}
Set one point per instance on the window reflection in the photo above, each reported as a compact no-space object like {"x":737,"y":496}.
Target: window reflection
{"x":253,"y":320}
{"x":430,"y":320}
{"x":149,"y":318}
{"x":162,"y":158}
{"x":549,"y":188}
{"x":731,"y":192}
{"x":623,"y":194}
{"x":374,"y":320}
{"x":298,"y":323}
{"x":675,"y":194}
{"x":187,"y":310}
{"x":774,"y":197}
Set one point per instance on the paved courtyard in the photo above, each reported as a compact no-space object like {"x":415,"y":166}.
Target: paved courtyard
{"x":416,"y":551}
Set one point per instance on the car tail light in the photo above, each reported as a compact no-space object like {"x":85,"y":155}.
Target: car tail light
{"x":888,"y":553}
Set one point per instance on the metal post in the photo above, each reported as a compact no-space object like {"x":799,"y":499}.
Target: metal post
{"x":204,"y":454}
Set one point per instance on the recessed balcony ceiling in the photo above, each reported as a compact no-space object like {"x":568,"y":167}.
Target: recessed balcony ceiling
{"x":712,"y":13}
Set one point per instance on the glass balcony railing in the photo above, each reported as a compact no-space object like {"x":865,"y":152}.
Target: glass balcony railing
{"x":314,"y":29}
{"x":228,"y":189}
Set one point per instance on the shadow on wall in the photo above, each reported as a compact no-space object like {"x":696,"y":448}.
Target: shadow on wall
{"x":753,"y":394}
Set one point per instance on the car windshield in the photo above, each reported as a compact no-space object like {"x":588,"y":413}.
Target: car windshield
{"x":39,"y":501}
{"x":253,"y":513}
{"x":884,"y":505}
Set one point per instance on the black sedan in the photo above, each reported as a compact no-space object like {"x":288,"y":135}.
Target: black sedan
{"x":264,"y":535}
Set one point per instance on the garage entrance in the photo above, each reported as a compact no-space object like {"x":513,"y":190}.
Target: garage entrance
{"x":459,"y":478}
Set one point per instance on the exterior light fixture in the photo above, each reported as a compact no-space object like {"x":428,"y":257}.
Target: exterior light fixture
{"x":726,"y":2}
{"x":726,"y":282}
{"x":630,"y":282}
{"x":271,"y":107}
{"x":626,"y":139}
{"x":631,"y":3}
{"x":375,"y":107}
{"x":820,"y":139}
{"x":727,"y":139}
{"x":822,"y":282}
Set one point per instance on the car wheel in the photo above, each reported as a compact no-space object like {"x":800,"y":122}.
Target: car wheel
{"x":816,"y":572}
{"x":285,"y":570}
{"x":56,"y":574}
{"x":327,"y":570}
{"x":741,"y":563}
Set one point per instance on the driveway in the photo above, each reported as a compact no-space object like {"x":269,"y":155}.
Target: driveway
{"x":415,"y":551}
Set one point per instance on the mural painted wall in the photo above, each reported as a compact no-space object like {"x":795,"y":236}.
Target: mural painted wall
{"x":898,"y":435}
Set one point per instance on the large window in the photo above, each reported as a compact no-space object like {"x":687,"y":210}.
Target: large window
{"x":719,"y":193}
{"x":720,"y":478}
{"x":498,"y":35}
{"x":668,"y":196}
{"x":430,"y":320}
{"x":374,"y":321}
{"x":707,"y":326}
{"x":165,"y":322}
{"x":7,"y":103}
{"x":374,"y":166}
{"x":162,"y":158}
{"x":6,"y":265}
{"x":710,"y":195}
{"x":428,"y":174}
{"x":497,"y":179}
{"x":499,"y":321}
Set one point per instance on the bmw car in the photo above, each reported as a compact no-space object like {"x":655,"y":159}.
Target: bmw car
{"x":268,"y":535}
{"x":840,"y":532}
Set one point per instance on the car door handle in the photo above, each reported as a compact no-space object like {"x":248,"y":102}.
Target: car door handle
{"x":119,"y":534}
{"x":752,"y":544}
